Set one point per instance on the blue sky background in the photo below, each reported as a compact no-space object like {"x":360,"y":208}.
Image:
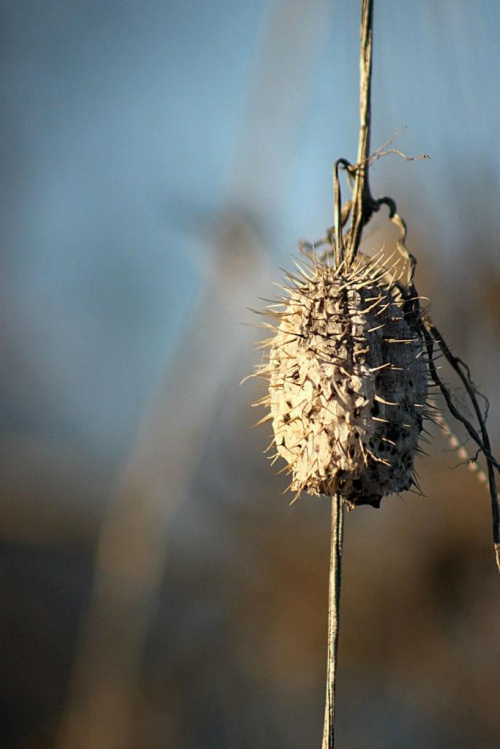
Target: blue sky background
{"x":122,"y":128}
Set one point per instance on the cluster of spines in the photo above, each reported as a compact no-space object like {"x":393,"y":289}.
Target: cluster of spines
{"x":374,"y":272}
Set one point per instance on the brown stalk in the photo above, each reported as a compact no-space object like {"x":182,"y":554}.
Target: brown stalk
{"x":362,"y":200}
{"x":337,"y":538}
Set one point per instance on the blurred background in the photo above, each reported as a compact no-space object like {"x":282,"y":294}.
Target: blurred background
{"x":159,"y":161}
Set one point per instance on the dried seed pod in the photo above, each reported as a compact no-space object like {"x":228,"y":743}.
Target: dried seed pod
{"x":347,"y":384}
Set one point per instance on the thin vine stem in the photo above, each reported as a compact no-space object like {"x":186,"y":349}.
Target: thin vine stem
{"x":336,"y":547}
{"x":482,"y":440}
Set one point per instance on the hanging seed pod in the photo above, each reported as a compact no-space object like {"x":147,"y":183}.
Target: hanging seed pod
{"x":347,"y":384}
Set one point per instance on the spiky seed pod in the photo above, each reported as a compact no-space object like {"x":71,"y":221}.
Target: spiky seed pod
{"x":347,"y":384}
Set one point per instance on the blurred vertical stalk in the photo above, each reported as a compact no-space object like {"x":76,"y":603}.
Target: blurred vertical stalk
{"x":337,"y":539}
{"x":105,"y":697}
{"x":102,"y":707}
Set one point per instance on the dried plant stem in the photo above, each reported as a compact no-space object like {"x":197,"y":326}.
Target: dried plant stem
{"x":361,"y":213}
{"x":362,"y":201}
{"x":481,"y":439}
{"x":337,"y":538}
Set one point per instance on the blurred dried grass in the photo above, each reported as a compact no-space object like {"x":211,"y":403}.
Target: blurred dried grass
{"x":235,"y":626}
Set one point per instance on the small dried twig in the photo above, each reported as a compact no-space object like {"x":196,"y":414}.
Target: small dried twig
{"x":384,"y":150}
